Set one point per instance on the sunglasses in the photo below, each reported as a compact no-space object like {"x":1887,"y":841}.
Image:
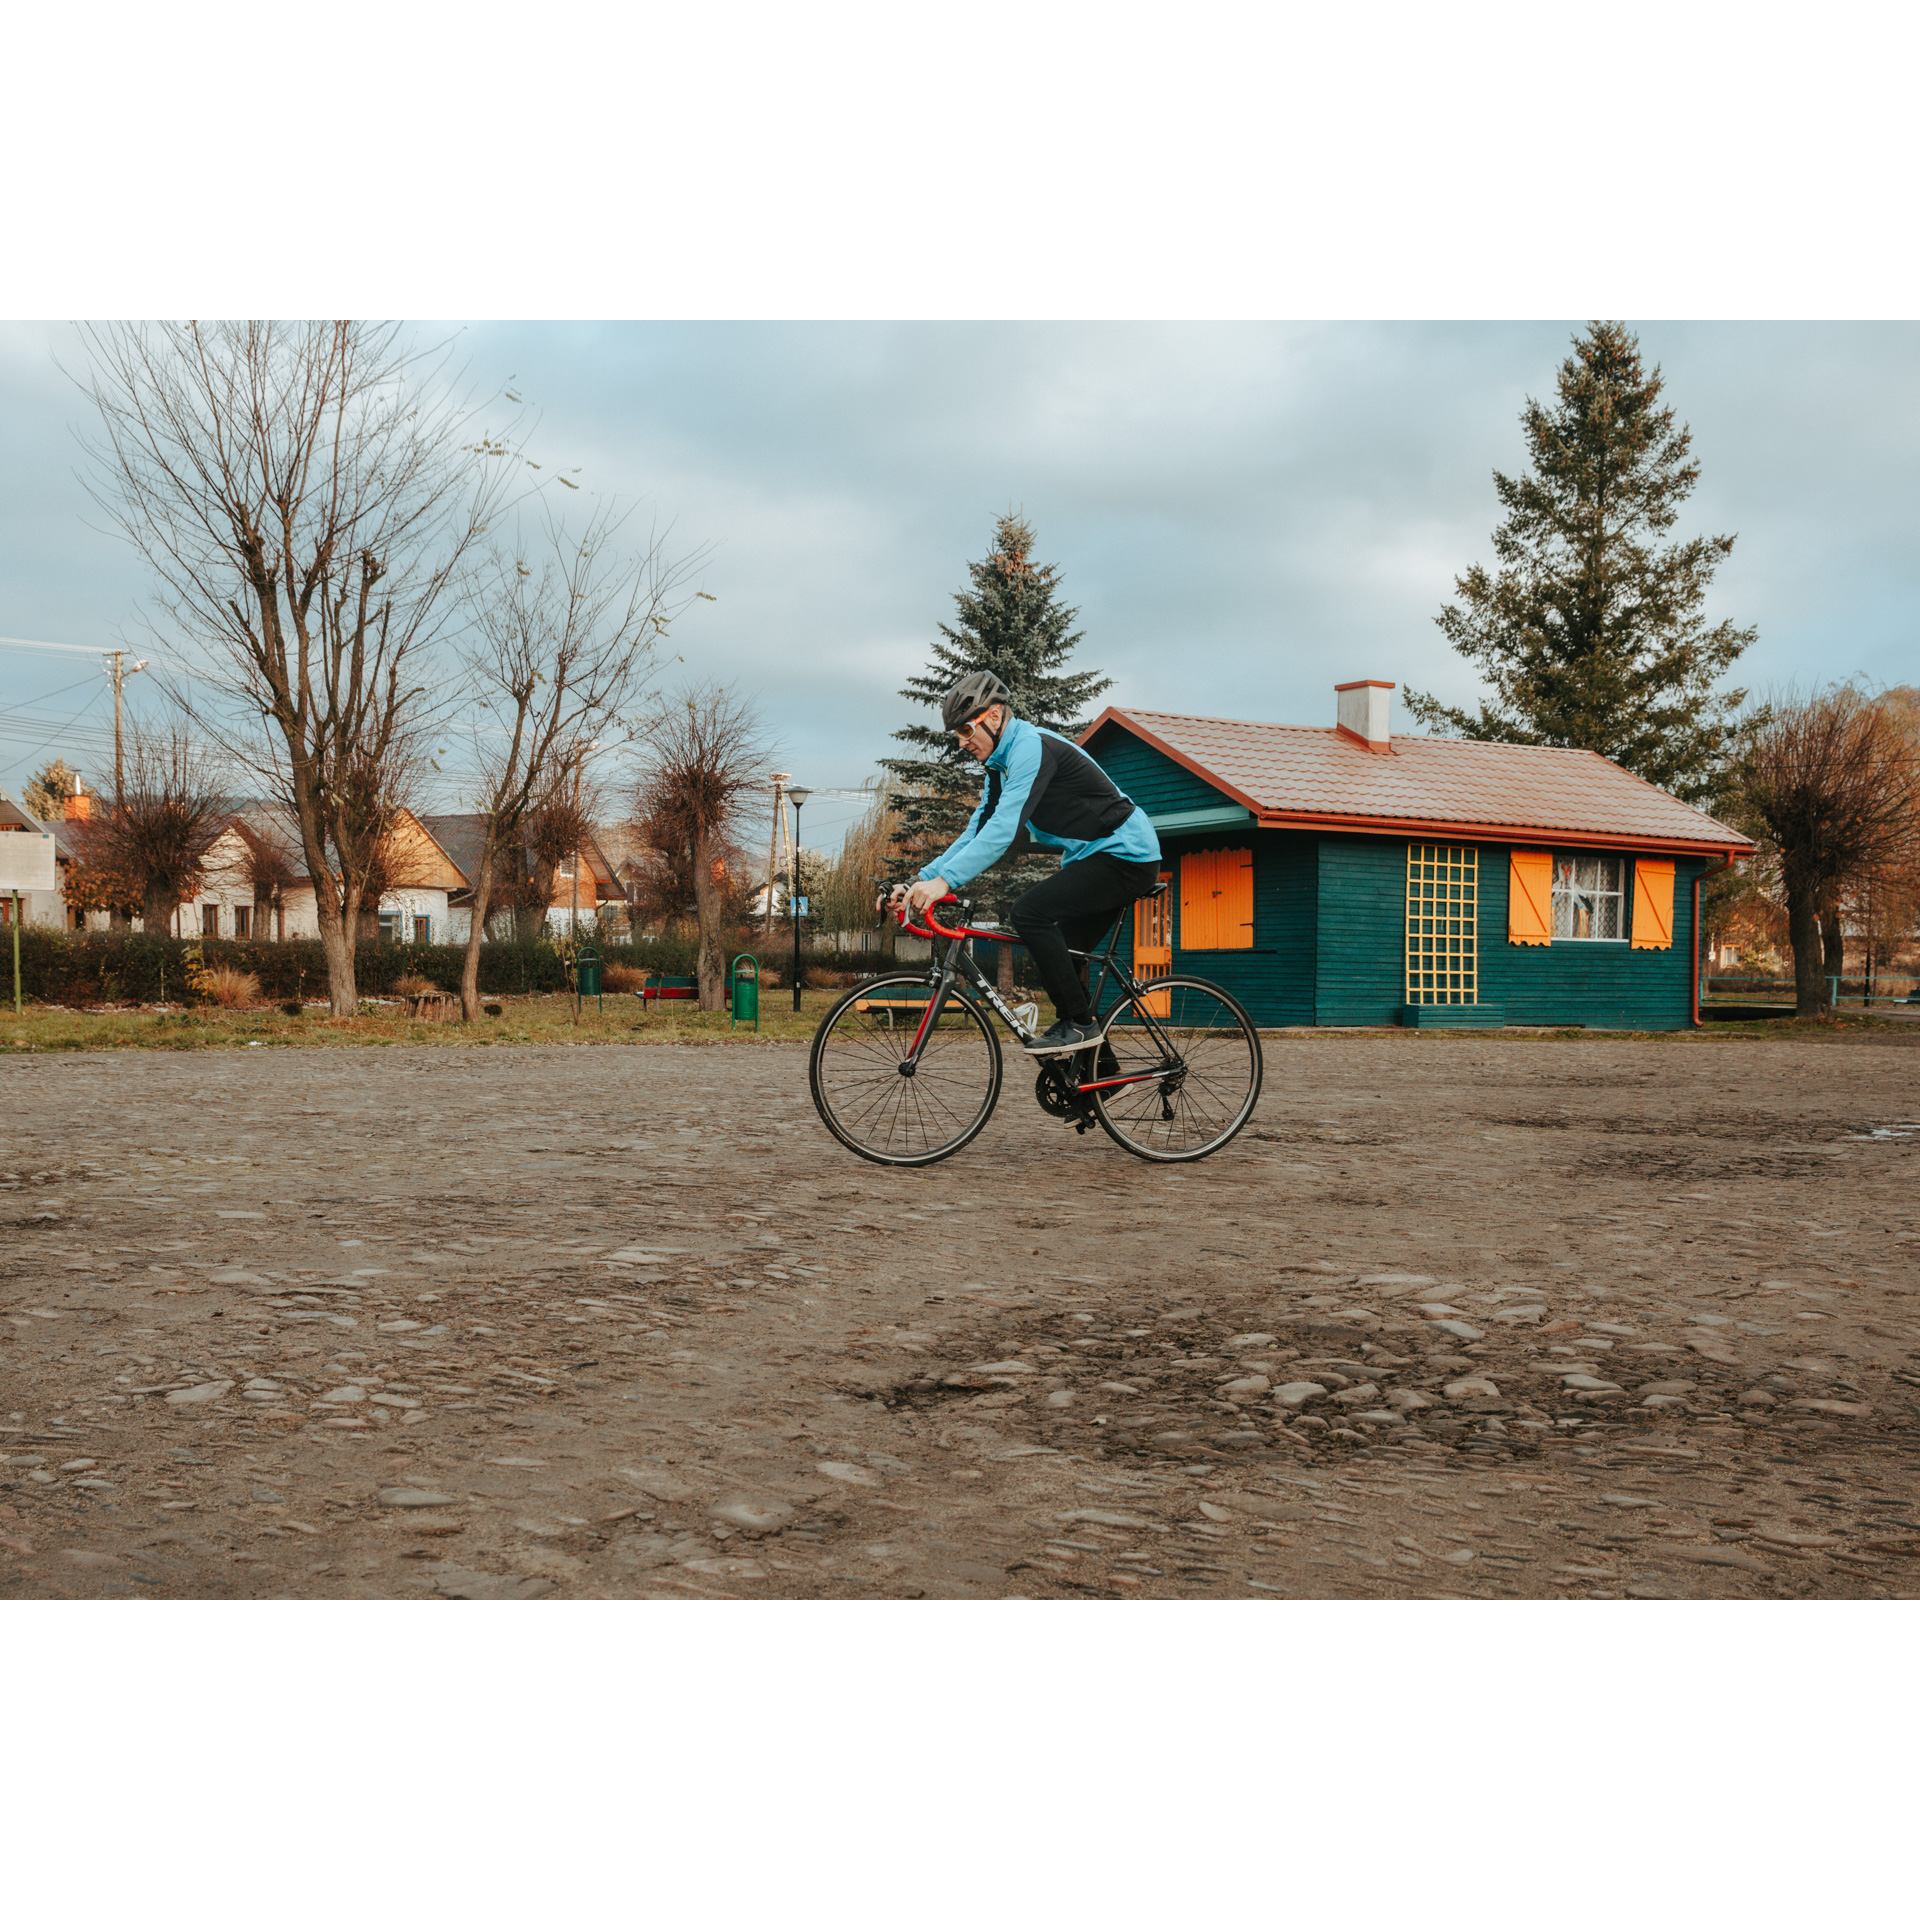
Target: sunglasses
{"x":966,"y":733}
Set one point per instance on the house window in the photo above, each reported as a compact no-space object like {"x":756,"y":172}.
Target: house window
{"x":243,"y":923}
{"x":390,"y":926}
{"x":423,"y":929}
{"x":210,"y":923}
{"x":1443,"y":897}
{"x":1587,"y":896}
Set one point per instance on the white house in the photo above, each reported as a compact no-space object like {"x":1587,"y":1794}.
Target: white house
{"x":29,"y":868}
{"x":259,"y":837}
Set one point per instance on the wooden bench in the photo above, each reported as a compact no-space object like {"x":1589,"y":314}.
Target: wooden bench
{"x":670,"y":986}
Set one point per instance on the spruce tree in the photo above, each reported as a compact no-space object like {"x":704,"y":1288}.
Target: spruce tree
{"x":1010,"y":621}
{"x":1591,"y":632}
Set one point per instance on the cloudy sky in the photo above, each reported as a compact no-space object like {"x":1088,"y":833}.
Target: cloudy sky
{"x":1243,"y":513}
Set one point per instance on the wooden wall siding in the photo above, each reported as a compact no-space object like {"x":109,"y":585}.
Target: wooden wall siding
{"x":1361,"y":965}
{"x":1149,"y":778}
{"x":1585,"y":982}
{"x":1274,"y":977}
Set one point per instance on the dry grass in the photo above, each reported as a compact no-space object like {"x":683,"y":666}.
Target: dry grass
{"x":229,"y":987}
{"x":618,"y":977}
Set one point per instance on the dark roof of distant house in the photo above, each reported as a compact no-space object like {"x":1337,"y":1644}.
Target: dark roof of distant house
{"x":1320,"y":776}
{"x":462,"y":838}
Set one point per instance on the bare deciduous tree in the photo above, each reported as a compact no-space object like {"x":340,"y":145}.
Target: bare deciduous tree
{"x":267,"y":871}
{"x":154,"y":839}
{"x":703,"y":758}
{"x":1834,"y":790}
{"x":309,"y":503}
{"x":565,"y":633}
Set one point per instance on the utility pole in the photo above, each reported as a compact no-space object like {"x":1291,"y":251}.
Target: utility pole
{"x":798,"y":796}
{"x":120,"y":676}
{"x":773,"y":845}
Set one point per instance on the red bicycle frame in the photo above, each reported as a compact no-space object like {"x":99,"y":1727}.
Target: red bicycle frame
{"x":933,"y":930}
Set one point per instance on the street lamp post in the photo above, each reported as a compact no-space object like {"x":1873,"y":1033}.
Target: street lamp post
{"x":798,"y":795}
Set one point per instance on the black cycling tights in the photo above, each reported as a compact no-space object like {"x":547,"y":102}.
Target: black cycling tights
{"x":1075,"y":908}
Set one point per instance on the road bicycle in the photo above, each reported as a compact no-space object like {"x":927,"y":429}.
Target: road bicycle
{"x":906,"y":1069}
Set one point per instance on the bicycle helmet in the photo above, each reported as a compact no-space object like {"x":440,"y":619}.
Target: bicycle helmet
{"x":970,"y":696}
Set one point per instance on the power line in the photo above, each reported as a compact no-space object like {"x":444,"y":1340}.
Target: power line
{"x":9,"y":765}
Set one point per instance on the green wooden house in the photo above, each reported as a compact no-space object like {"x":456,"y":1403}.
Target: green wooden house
{"x":1341,"y":876}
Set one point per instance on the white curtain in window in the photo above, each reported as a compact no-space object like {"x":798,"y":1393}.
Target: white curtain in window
{"x":1586,"y":897}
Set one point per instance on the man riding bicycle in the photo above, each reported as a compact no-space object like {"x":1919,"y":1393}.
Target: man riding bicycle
{"x":1042,"y":790}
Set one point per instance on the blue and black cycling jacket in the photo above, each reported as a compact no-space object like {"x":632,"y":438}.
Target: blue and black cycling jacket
{"x":1042,"y":789}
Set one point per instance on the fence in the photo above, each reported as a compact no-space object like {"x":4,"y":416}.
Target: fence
{"x":1849,"y":986}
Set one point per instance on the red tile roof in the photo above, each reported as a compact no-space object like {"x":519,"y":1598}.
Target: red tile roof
{"x":1317,"y":776}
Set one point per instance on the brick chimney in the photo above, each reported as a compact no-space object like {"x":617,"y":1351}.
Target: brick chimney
{"x":79,"y":802}
{"x":1363,"y":714}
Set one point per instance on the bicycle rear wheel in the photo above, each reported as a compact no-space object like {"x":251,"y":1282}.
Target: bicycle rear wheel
{"x":1203,"y":1053}
{"x":894,"y":1118}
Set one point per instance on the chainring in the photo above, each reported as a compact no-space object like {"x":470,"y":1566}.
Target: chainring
{"x":1058,"y":1096}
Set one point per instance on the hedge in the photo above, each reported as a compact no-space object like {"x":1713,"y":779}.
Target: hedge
{"x":91,"y":969}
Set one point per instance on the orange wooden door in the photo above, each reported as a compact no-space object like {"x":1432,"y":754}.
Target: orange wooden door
{"x":1153,"y":947}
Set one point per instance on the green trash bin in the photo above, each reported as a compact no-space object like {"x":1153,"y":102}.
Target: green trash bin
{"x":746,"y":992}
{"x":586,"y":977}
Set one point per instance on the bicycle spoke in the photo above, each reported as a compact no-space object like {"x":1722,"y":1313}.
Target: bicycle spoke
{"x":896,"y":1117}
{"x":1206,"y":1101}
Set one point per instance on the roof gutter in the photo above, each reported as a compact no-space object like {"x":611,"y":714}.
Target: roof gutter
{"x":1504,"y":833}
{"x":1705,"y":873}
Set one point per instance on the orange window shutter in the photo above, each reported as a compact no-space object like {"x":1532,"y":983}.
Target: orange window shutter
{"x":1233,"y":882}
{"x":1530,"y":899}
{"x":1653,"y":903}
{"x":1198,"y":920}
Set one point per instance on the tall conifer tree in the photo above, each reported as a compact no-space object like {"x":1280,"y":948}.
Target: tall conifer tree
{"x":1008,"y":621}
{"x":1591,"y":632}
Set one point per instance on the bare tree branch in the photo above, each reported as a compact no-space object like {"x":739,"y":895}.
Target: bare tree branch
{"x":309,"y":503}
{"x":1832,"y":785}
{"x":704,"y":757}
{"x":564,"y":640}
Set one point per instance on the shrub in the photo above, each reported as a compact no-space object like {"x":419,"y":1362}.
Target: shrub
{"x":412,"y":983}
{"x":229,"y":987}
{"x":291,"y":1008}
{"x":491,"y":1011}
{"x":87,"y":969}
{"x":618,"y":977}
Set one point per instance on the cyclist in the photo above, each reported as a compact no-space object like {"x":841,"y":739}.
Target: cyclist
{"x":1041,"y":789}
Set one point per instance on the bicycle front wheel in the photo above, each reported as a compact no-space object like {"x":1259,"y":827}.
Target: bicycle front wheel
{"x":886,"y":1115}
{"x":1200,"y":1057}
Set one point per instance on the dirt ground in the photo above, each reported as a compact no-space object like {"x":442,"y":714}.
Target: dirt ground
{"x":1458,"y":1316}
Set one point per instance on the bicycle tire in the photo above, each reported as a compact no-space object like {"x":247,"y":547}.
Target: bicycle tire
{"x":873,"y":1109}
{"x":1202,"y":1114}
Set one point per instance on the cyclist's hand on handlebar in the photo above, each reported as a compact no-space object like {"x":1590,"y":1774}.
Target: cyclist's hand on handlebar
{"x":923,"y":893}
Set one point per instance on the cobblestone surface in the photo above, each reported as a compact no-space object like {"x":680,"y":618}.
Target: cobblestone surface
{"x":1456,"y":1317}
